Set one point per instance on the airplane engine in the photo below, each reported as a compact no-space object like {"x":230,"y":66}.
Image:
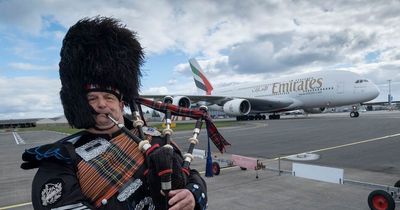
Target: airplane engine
{"x":314,"y":110}
{"x":181,"y":101}
{"x":237,"y":107}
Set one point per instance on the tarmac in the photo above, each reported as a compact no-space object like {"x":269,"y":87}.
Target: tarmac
{"x":267,"y":189}
{"x":365,"y":148}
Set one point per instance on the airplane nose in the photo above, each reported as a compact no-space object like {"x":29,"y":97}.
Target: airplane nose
{"x":375,"y":91}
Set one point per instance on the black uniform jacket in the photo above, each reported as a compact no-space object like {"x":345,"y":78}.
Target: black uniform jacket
{"x":56,"y":184}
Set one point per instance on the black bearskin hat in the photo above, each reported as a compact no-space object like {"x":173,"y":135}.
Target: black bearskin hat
{"x":97,"y":51}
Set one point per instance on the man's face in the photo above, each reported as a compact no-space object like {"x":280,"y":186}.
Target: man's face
{"x":105,"y":103}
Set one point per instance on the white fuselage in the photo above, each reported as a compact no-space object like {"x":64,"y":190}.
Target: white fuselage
{"x":310,"y":90}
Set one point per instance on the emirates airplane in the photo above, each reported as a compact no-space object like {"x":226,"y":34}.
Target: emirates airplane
{"x":311,"y":92}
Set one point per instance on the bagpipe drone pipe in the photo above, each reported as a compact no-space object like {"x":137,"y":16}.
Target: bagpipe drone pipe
{"x":166,"y":170}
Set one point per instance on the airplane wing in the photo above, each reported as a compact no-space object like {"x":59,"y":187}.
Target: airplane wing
{"x":271,"y":103}
{"x":219,"y":100}
{"x":257,"y":104}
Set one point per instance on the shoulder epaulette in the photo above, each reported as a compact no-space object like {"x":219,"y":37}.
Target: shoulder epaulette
{"x":54,"y":152}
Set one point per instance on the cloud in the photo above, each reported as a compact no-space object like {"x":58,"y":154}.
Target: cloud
{"x":29,"y":97}
{"x":282,"y":52}
{"x":172,"y":82}
{"x":162,"y":90}
{"x":254,"y":58}
{"x":234,"y":42}
{"x":25,"y":15}
{"x":29,"y":66}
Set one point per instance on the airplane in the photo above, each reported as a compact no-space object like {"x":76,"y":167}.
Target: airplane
{"x":311,"y":92}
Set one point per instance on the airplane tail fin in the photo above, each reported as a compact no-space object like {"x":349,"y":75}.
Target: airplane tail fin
{"x":199,"y":77}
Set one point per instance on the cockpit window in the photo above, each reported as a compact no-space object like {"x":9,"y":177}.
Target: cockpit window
{"x":361,"y":81}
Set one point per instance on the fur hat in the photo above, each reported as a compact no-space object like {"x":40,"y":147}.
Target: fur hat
{"x":97,"y":52}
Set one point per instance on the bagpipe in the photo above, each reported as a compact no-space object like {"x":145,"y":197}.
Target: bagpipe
{"x":165,"y":170}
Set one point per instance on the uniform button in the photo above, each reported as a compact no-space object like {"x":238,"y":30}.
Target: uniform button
{"x":195,"y":186}
{"x":104,"y":201}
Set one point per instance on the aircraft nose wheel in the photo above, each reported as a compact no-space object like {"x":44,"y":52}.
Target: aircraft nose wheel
{"x":380,"y":200}
{"x":354,"y":114}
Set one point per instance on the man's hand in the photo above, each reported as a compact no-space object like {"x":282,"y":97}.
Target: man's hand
{"x":181,"y":199}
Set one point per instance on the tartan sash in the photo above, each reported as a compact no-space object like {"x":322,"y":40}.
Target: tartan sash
{"x":101,"y":177}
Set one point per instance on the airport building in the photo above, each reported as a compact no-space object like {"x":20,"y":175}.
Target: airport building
{"x":20,"y":123}
{"x":26,"y":123}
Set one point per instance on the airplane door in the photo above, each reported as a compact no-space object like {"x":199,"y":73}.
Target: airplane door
{"x":340,"y":87}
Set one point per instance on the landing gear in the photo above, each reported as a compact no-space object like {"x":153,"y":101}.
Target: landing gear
{"x":250,"y":117}
{"x":274,"y":117}
{"x":354,"y":114}
{"x":259,"y":117}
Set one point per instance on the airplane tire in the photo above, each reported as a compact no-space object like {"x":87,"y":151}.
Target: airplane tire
{"x":243,"y":168}
{"x":216,"y":169}
{"x":352,"y":114}
{"x":274,"y":117}
{"x":380,"y":200}
{"x":264,"y":117}
{"x":397,"y":184}
{"x":357,"y":114}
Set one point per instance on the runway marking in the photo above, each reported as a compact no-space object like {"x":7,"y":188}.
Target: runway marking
{"x":15,"y":206}
{"x":18,"y":138}
{"x":344,"y":145}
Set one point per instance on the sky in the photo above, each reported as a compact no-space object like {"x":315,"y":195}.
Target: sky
{"x":234,"y":41}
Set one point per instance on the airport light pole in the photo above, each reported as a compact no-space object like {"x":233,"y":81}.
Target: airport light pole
{"x":390,"y":93}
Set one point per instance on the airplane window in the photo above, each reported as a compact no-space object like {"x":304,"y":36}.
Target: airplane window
{"x":362,"y":80}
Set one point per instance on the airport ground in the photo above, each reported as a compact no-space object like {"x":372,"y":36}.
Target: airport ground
{"x":366,"y":148}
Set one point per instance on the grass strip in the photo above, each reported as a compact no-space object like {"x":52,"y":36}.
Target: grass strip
{"x":180,"y":126}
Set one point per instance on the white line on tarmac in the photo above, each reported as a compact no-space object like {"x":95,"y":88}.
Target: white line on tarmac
{"x":18,"y":138}
{"x":345,"y":145}
{"x":15,"y":206}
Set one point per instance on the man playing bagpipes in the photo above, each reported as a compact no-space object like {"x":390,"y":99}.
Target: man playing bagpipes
{"x":112,"y":163}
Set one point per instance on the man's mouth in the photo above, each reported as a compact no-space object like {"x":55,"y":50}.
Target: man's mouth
{"x":102,"y":114}
{"x":103,"y":117}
